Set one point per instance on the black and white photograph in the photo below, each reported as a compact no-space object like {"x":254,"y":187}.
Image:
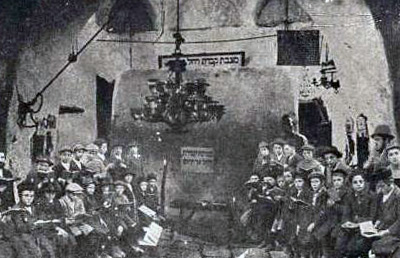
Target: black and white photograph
{"x":199,"y":128}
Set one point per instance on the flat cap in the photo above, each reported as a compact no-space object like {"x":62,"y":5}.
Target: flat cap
{"x":74,"y":188}
{"x":77,"y":147}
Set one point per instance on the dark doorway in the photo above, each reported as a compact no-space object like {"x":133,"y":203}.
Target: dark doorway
{"x":314,"y":122}
{"x":104,"y":96}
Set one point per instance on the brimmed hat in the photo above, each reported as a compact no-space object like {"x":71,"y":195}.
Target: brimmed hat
{"x":262,"y":144}
{"x":65,"y":148}
{"x":73,"y":188}
{"x":291,"y":142}
{"x":151,"y":176}
{"x":141,"y":179}
{"x":331,"y":150}
{"x":300,"y":174}
{"x":119,"y":182}
{"x":382,"y":173}
{"x":392,"y":147}
{"x":25,"y":186}
{"x":48,"y":188}
{"x":340,"y":171}
{"x":44,"y":159}
{"x":77,"y":147}
{"x":308,"y":147}
{"x":99,"y":141}
{"x":278,"y":141}
{"x":383,"y":131}
{"x":95,"y":166}
{"x":316,"y":174}
{"x":92,"y":147}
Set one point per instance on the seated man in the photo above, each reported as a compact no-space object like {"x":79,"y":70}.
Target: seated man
{"x":388,"y":215}
{"x":27,"y":241}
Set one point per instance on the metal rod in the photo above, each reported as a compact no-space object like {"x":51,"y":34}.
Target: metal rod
{"x":177,"y":16}
{"x":70,"y":62}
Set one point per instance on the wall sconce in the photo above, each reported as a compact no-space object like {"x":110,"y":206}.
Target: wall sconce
{"x":327,"y":79}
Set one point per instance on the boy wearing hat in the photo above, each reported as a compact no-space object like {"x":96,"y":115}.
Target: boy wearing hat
{"x":335,"y":207}
{"x":393,"y":155}
{"x":388,"y":215}
{"x":77,"y":161}
{"x":318,"y":227}
{"x":295,"y":220}
{"x":277,"y":156}
{"x":292,"y":157}
{"x":42,"y":174}
{"x":262,"y":162}
{"x":331,"y":156}
{"x":309,"y":163}
{"x":63,"y":169}
{"x":152,"y":192}
{"x":103,"y":148}
{"x":27,"y":242}
{"x":142,"y":190}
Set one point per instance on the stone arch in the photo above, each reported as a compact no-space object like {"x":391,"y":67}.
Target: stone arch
{"x":270,"y":13}
{"x":126,"y":16}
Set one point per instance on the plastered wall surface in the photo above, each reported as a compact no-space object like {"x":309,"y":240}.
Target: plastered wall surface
{"x":255,"y":96}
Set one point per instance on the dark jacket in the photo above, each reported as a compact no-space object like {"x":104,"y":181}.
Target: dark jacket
{"x":389,"y":212}
{"x":292,"y":161}
{"x":359,"y":207}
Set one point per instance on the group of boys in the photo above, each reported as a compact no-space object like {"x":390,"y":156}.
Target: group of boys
{"x":311,"y":204}
{"x":83,"y":206}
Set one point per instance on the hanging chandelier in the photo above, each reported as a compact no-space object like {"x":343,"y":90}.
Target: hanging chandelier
{"x":175,"y":102}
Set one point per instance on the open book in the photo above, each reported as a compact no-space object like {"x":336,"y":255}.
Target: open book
{"x":368,"y":229}
{"x":152,"y":236}
{"x":147,"y":211}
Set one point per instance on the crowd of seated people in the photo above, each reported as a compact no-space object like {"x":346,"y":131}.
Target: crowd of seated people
{"x":309,"y":203}
{"x":87,"y":204}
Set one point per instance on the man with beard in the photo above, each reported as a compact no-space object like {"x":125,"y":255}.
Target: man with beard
{"x":382,"y":137}
{"x":7,"y":199}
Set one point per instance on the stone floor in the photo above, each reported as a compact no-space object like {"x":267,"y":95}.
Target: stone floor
{"x":173,"y":245}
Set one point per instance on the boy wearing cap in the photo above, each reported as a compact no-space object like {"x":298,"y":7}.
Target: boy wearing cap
{"x":63,"y":169}
{"x":152,"y":192}
{"x":309,"y":163}
{"x":77,"y":161}
{"x":319,"y":224}
{"x":42,"y":174}
{"x":292,"y":157}
{"x":388,"y":215}
{"x":295,"y":222}
{"x":335,"y":207}
{"x":27,"y":241}
{"x":261,"y":164}
{"x":393,"y":155}
{"x":277,"y":156}
{"x":331,"y":156}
